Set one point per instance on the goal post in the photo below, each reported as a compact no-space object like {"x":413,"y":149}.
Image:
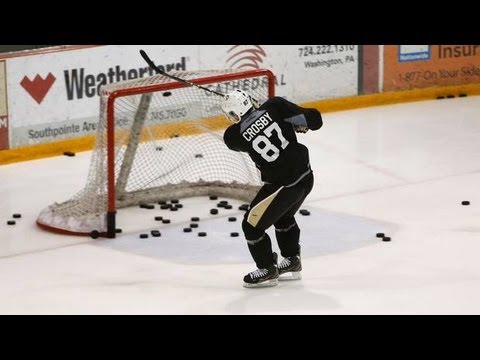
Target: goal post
{"x":159,"y":139}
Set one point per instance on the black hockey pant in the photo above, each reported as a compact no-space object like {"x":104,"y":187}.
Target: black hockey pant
{"x":275,"y":205}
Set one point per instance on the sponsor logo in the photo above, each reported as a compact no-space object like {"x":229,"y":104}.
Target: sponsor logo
{"x":246,"y":57}
{"x":457,"y":51}
{"x":413,"y":53}
{"x":39,"y":87}
{"x":80,"y":84}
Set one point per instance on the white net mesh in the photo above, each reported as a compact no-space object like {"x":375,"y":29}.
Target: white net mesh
{"x":168,"y":143}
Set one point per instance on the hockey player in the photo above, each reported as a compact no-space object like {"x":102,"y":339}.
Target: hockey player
{"x":268,"y":134}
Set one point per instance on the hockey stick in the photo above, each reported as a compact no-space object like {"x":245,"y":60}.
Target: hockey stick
{"x":159,"y":71}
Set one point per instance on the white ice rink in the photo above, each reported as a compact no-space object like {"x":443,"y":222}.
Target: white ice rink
{"x":400,"y":169}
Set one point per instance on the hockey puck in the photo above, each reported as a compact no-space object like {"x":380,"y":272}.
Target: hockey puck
{"x":234,"y":234}
{"x":243,"y":207}
{"x":174,"y":136}
{"x":174,"y":201}
{"x":94,"y":234}
{"x":380,"y":235}
{"x":214,"y":211}
{"x":465,"y":202}
{"x":158,"y":218}
{"x":194,"y":225}
{"x":386,"y":239}
{"x":228,"y":207}
{"x":213,"y":197}
{"x":147,"y":206}
{"x":202,"y":234}
{"x":17,"y":216}
{"x":173,"y":208}
{"x":304,"y":212}
{"x":155,"y":233}
{"x":440,"y":97}
{"x":118,"y":231}
{"x":159,"y":148}
{"x":162,"y":202}
{"x":178,"y":206}
{"x":166,"y":221}
{"x":187,"y":230}
{"x":167,"y":94}
{"x":450,"y":96}
{"x":11,"y":222}
{"x":195,"y":219}
{"x":462,"y":95}
{"x":143,"y":236}
{"x":165,"y":206}
{"x":232,"y":219}
{"x":198,"y":156}
{"x":69,"y":153}
{"x":221,"y":205}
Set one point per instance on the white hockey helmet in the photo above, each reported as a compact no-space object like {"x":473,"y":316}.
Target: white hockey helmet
{"x":236,"y":104}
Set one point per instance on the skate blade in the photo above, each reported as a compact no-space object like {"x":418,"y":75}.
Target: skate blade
{"x":289,"y":276}
{"x":268,"y":283}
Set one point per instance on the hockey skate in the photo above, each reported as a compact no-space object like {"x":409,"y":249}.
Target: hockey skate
{"x":262,"y":277}
{"x":290,"y":268}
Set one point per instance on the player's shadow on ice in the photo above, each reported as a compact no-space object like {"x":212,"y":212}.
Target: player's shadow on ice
{"x":286,"y":298}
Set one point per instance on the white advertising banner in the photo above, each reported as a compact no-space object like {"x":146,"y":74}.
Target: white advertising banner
{"x":303,"y":72}
{"x":54,"y":96}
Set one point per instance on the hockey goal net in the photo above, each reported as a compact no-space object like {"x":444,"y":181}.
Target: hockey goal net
{"x":159,"y":139}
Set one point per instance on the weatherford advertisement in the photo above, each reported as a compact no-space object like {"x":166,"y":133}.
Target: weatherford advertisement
{"x":419,"y":66}
{"x":54,"y":96}
{"x":3,"y":108}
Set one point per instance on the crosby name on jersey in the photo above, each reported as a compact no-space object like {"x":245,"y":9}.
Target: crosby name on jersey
{"x":268,"y":135}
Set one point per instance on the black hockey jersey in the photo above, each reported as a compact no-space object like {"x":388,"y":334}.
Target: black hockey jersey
{"x":268,"y":135}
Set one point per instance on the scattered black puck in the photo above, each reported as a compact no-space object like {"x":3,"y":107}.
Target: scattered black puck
{"x":11,"y":222}
{"x":165,"y":206}
{"x":213,"y":197}
{"x":195,"y":219}
{"x":450,"y":96}
{"x":69,"y":153}
{"x":304,"y":212}
{"x":234,"y":234}
{"x":17,"y":216}
{"x":214,"y":211}
{"x":194,"y":225}
{"x":118,"y":231}
{"x":175,"y":135}
{"x":202,"y":234}
{"x":198,"y":156}
{"x":232,"y":219}
{"x":386,"y":238}
{"x":187,"y":230}
{"x":166,"y":221}
{"x":167,"y":94}
{"x":380,"y":235}
{"x":143,"y":236}
{"x":178,"y":206}
{"x":243,"y":207}
{"x":94,"y":234}
{"x":174,"y":201}
{"x":173,"y":208}
{"x":162,"y":202}
{"x":440,"y":97}
{"x":223,"y":202}
{"x":228,"y":207}
{"x":465,"y":202}
{"x":158,"y":218}
{"x":155,"y":233}
{"x":147,"y":206}
{"x":159,"y":148}
{"x":462,"y":95}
